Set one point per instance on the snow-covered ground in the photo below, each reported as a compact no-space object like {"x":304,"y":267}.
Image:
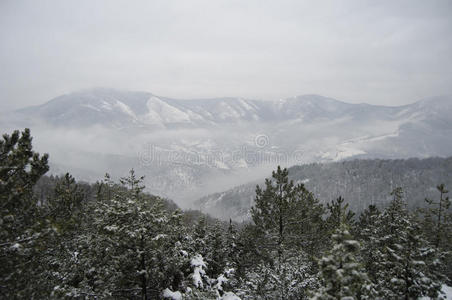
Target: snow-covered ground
{"x":447,"y":290}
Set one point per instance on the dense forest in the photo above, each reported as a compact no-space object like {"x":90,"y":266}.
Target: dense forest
{"x":360,"y":182}
{"x":61,"y":239}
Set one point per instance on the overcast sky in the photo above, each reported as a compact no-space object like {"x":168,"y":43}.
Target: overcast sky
{"x":380,"y":52}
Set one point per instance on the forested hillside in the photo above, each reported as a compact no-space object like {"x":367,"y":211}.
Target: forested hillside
{"x":360,"y":182}
{"x":61,"y":239}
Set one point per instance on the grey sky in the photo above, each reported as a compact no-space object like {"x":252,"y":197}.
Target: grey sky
{"x":381,"y":52}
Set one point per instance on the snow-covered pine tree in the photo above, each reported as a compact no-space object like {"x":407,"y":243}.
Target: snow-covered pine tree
{"x":341,"y":274}
{"x":368,"y":225}
{"x":282,"y":215}
{"x":437,"y":226}
{"x":231,"y":246}
{"x":338,"y":209}
{"x":440,"y":216}
{"x":216,"y":255}
{"x":274,"y":210}
{"x":249,"y":253}
{"x":65,"y":206}
{"x":200,"y":235}
{"x":368,"y":217}
{"x":175,"y":260}
{"x":122,"y":254}
{"x":406,"y":262}
{"x":309,"y":231}
{"x":65,"y":209}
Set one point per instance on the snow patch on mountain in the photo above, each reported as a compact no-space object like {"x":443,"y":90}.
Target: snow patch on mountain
{"x":341,"y":153}
{"x":106,"y":105}
{"x":125,"y":109}
{"x":161,"y":112}
{"x":346,"y":152}
{"x":92,"y":107}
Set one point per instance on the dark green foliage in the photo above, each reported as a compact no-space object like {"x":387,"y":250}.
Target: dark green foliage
{"x":21,"y":168}
{"x":286,"y":215}
{"x":369,"y":181}
{"x":436,"y":224}
{"x":125,"y":250}
{"x":341,"y":274}
{"x":216,"y":251}
{"x":367,"y":217}
{"x":368,"y":229}
{"x":65,"y":206}
{"x":338,"y":210}
{"x":249,"y":252}
{"x":288,"y":227}
{"x":22,"y":228}
{"x":439,"y":216}
{"x":405,"y":264}
{"x":274,"y":209}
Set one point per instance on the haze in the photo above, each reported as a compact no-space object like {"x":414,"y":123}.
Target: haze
{"x":380,"y":52}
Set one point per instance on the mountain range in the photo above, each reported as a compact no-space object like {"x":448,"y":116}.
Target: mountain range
{"x":120,"y":109}
{"x":194,"y":147}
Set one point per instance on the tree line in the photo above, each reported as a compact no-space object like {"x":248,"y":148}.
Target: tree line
{"x":61,"y":239}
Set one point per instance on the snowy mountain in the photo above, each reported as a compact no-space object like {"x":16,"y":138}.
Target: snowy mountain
{"x":194,"y":147}
{"x":120,"y":109}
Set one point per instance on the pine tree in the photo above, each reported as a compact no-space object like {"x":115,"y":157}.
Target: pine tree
{"x":65,"y":210}
{"x":341,"y":274}
{"x":66,"y":204}
{"x":439,"y":217}
{"x":273,"y":210}
{"x":122,"y":256}
{"x":231,"y":247}
{"x":23,"y":227}
{"x":309,"y":231}
{"x":200,"y":236}
{"x":288,"y":222}
{"x":216,"y":257}
{"x":337,"y":210}
{"x":369,"y":222}
{"x":249,"y":252}
{"x":368,"y":216}
{"x":175,"y":256}
{"x":437,"y":226}
{"x":406,"y":262}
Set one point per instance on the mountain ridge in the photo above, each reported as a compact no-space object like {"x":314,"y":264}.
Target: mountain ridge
{"x":118,"y":108}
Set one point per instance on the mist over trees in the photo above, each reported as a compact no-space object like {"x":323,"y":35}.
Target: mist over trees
{"x":63,"y":239}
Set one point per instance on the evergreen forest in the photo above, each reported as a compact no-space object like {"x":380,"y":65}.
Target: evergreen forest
{"x":65,"y":239}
